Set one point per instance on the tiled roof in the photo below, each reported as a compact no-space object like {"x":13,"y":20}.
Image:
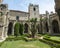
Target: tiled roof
{"x":18,"y":11}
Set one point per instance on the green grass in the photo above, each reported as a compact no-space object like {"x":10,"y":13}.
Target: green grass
{"x":23,"y":44}
{"x":55,"y":38}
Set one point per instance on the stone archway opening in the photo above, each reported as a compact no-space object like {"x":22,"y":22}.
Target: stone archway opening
{"x":10,"y":26}
{"x":55,"y":26}
{"x":47,"y":29}
{"x":25,"y":28}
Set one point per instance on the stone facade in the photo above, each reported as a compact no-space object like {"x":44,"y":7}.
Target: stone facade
{"x":47,"y":23}
{"x":33,"y":12}
{"x":3,"y":21}
{"x":57,"y":4}
{"x":57,"y":7}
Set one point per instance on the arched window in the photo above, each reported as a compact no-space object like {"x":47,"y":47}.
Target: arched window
{"x":17,"y":17}
{"x":34,"y":9}
{"x":25,"y":28}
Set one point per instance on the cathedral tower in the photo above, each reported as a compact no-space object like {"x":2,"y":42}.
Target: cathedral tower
{"x":34,"y":11}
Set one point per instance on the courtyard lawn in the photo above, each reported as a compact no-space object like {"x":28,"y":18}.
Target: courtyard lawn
{"x":23,"y":44}
{"x":55,"y":38}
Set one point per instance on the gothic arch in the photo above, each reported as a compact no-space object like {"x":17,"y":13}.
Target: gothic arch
{"x":55,"y":26}
{"x":10,"y":26}
{"x":25,"y":28}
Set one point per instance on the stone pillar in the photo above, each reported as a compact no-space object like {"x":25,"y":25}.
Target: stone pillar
{"x":59,"y":26}
{"x":51,"y":27}
{"x":29,"y":31}
{"x":2,"y":32}
{"x":3,"y":26}
{"x":43,"y":29}
{"x":23,"y":27}
{"x":13,"y":29}
{"x":30,"y":27}
{"x":6,"y":31}
{"x":41,"y":24}
{"x":48,"y":21}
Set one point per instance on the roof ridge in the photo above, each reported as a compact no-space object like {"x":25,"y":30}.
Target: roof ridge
{"x":19,"y":11}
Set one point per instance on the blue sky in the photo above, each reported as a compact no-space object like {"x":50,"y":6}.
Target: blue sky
{"x":22,"y":5}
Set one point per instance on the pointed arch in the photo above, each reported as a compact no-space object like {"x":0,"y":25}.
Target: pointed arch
{"x":25,"y":28}
{"x":10,"y":26}
{"x":55,"y":26}
{"x":47,"y":29}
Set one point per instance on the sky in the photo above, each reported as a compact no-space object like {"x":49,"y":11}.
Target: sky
{"x":22,"y":5}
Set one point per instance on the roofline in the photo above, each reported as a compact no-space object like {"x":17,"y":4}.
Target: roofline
{"x":19,"y":11}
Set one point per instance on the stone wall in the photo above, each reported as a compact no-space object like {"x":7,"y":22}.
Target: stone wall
{"x":22,"y":15}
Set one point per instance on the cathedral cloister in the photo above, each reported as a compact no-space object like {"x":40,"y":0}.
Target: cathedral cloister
{"x":47,"y":23}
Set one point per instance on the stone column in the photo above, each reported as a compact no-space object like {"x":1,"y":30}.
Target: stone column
{"x":41,"y":25}
{"x":48,"y":21}
{"x":3,"y":26}
{"x":59,"y":26}
{"x":43,"y":29}
{"x":13,"y":29}
{"x":58,"y":23}
{"x":28,"y":27}
{"x":23,"y":25}
{"x":6,"y":31}
{"x":2,"y":32}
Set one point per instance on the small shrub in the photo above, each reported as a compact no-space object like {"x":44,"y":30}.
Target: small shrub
{"x":21,"y":29}
{"x":58,"y":46}
{"x":39,"y":35}
{"x":9,"y":39}
{"x":33,"y":27}
{"x":33,"y":39}
{"x":52,"y":40}
{"x":52,"y":44}
{"x":26,"y":35}
{"x":1,"y":43}
{"x":47,"y":36}
{"x":15,"y":38}
{"x":16,"y":29}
